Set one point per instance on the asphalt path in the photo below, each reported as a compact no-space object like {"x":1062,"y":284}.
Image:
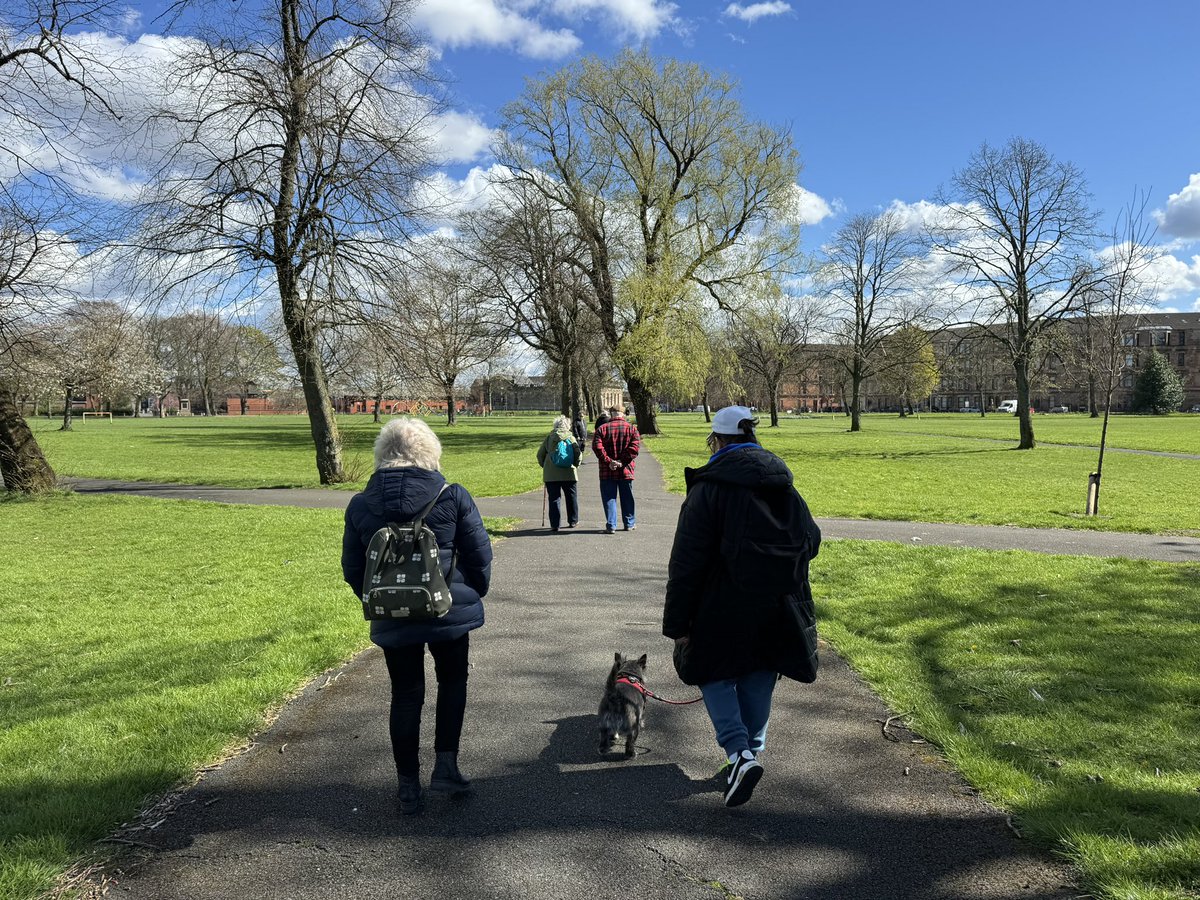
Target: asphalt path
{"x":1167,"y":548}
{"x":842,"y":812}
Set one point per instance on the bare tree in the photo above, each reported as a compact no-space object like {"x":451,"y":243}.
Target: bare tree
{"x":252,"y":362}
{"x":441,"y":327}
{"x":770,"y":337}
{"x":671,"y":188}
{"x":868,"y":277}
{"x":1019,"y":233}
{"x":300,"y":137}
{"x":1126,"y":288}
{"x":368,"y":360}
{"x":524,"y":247}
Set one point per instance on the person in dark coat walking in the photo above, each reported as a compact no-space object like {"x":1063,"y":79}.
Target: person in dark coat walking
{"x":406,"y":479}
{"x":738,"y":603}
{"x":580,"y":430}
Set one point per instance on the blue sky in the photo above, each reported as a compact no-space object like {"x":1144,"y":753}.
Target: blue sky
{"x":886,"y":99}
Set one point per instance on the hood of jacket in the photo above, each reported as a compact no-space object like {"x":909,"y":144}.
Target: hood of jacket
{"x":748,"y":466}
{"x":401,"y":493}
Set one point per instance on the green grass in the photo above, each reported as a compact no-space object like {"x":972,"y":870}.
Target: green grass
{"x":885,"y":473}
{"x":1105,"y":766}
{"x":1175,"y":434}
{"x":492,"y":457}
{"x":142,"y":639}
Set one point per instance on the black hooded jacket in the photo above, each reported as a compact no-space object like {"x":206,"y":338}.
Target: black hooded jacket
{"x":737,"y":583}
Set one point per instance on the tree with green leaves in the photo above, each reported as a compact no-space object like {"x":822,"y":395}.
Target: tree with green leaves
{"x":1157,"y":388}
{"x":677,"y":195}
{"x":913,"y":372}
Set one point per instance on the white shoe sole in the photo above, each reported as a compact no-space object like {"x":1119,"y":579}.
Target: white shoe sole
{"x":743,"y":786}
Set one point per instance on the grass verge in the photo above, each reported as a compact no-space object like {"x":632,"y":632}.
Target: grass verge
{"x":142,"y":639}
{"x":882,"y":473}
{"x":492,"y":456}
{"x":1066,"y":688}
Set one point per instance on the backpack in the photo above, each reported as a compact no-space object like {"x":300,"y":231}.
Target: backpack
{"x":403,"y":578}
{"x":564,"y":454}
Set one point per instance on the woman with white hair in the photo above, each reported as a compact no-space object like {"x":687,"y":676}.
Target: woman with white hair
{"x":406,"y":479}
{"x":559,"y":457}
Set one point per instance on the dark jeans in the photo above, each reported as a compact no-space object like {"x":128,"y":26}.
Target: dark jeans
{"x":570,"y":491}
{"x":609,"y":489}
{"x":406,"y":666}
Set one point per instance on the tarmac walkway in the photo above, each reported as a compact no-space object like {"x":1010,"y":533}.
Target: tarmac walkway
{"x":308,"y":811}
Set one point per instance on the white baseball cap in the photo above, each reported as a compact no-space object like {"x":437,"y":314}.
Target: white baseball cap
{"x":727,"y":420}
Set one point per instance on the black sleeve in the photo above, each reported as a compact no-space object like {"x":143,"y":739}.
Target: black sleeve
{"x":474,"y":547}
{"x":697,"y":545}
{"x":354,"y":556}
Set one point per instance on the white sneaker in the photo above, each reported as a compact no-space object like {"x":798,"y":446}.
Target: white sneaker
{"x":743,"y":775}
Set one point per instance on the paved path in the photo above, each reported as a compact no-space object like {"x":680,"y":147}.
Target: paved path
{"x":308,"y":811}
{"x":989,"y":537}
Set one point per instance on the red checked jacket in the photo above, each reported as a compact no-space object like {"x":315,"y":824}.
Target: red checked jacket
{"x":616,"y":439}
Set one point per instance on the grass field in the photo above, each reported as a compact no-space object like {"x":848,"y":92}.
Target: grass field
{"x":885,"y":472}
{"x":491,"y":457}
{"x":1174,"y":434}
{"x":133,"y":653}
{"x":1066,"y":689}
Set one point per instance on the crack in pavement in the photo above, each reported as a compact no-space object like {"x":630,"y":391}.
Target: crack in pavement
{"x":677,"y":869}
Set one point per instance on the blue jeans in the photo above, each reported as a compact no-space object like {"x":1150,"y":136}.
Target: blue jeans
{"x":609,"y":488}
{"x":568,"y":491}
{"x":740,"y":709}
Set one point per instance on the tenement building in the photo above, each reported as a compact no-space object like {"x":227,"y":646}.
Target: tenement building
{"x":1070,"y":368}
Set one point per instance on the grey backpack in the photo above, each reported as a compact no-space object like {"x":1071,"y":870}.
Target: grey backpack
{"x":403,"y":579}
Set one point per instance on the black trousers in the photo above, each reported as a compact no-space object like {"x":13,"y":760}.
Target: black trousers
{"x":406,"y":667}
{"x":570,"y":493}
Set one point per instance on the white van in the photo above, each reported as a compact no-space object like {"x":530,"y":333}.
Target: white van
{"x":1007,"y":406}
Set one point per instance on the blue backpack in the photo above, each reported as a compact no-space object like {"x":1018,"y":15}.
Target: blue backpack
{"x":564,"y":454}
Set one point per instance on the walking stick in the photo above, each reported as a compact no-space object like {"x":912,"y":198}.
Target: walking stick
{"x":543,"y":504}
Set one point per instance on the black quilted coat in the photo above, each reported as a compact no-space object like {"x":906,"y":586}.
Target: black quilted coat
{"x":737,"y":585}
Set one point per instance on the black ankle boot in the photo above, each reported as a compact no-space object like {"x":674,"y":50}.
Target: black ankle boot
{"x":446,"y":776}
{"x":409,"y":794}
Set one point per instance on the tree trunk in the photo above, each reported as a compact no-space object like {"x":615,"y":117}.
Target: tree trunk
{"x":451,"y":413}
{"x":775,"y":406}
{"x":244,"y":402}
{"x":1021,"y":370}
{"x":23,"y":467}
{"x":855,"y":401}
{"x":1093,"y":406}
{"x":564,"y":388}
{"x":588,"y":403}
{"x":378,"y":404}
{"x":643,"y":406}
{"x":704,"y":403}
{"x":66,"y":422}
{"x":321,"y":422}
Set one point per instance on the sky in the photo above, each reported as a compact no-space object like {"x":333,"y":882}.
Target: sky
{"x":885,"y":100}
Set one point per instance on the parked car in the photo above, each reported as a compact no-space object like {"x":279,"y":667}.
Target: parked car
{"x":1195,"y":408}
{"x":1060,"y":409}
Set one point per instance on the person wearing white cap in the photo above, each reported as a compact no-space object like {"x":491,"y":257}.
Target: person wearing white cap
{"x":738,"y":603}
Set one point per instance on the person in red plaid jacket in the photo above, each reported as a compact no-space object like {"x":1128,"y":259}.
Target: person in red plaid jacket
{"x":616,"y":444}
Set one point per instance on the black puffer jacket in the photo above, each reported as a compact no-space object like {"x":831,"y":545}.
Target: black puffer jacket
{"x":737,"y":585}
{"x":397,"y":495}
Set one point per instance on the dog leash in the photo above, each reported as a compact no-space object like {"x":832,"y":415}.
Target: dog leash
{"x":634,"y":682}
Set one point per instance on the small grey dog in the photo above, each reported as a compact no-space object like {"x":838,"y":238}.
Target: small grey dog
{"x":623,"y":704}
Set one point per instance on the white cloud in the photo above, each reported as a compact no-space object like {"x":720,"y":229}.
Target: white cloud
{"x":452,"y":196}
{"x":756,"y":11}
{"x":464,"y":23}
{"x":639,"y":19}
{"x":461,"y":138}
{"x":812,"y":208}
{"x":1175,"y":279}
{"x":1181,"y":218}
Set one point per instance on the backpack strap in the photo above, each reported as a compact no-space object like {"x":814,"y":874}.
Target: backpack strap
{"x":420,"y":521}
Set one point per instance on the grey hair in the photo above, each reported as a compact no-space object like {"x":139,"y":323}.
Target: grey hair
{"x":407,"y":442}
{"x":561,"y":423}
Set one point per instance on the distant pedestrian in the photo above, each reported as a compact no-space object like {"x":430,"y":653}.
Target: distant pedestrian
{"x":738,"y":603}
{"x":616,"y":445}
{"x":406,"y":480}
{"x":559,"y":457}
{"x":580,"y":430}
